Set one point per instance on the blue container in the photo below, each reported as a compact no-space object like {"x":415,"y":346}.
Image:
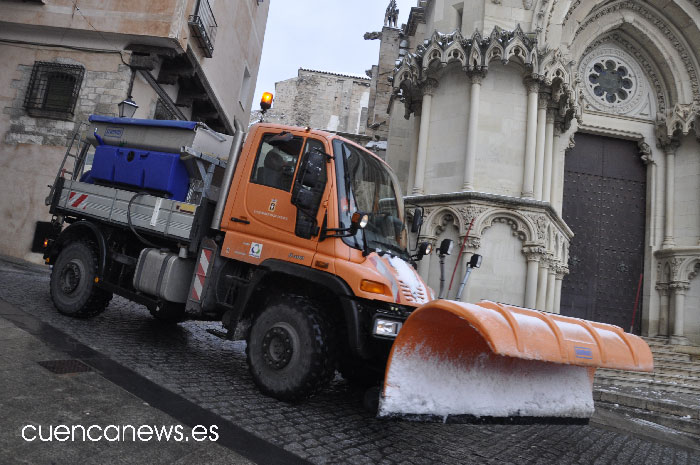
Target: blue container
{"x":145,"y":169}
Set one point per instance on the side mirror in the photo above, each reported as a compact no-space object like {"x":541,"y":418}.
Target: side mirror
{"x":417,"y":220}
{"x":308,"y":190}
{"x":425,"y":248}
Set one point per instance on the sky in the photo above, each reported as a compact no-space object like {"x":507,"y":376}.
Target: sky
{"x":325,"y":35}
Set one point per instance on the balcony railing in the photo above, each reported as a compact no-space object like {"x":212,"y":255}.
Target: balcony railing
{"x":204,"y":26}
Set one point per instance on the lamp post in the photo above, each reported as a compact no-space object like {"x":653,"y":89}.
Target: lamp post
{"x":127,"y":107}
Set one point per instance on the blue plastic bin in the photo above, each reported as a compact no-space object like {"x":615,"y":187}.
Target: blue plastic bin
{"x":154,"y":171}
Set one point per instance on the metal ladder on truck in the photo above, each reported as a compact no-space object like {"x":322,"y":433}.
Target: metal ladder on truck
{"x":81,"y":145}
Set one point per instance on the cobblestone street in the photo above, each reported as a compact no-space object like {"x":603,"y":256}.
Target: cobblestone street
{"x":330,"y":428}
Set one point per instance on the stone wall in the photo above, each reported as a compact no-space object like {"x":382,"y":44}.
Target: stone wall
{"x":31,"y":149}
{"x":322,"y":100}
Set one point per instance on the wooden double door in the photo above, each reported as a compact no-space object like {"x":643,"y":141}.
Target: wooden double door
{"x":605,"y":206}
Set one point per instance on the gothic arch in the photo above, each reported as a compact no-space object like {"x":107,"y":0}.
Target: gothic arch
{"x":521,"y":225}
{"x":439,"y":219}
{"x":691,"y":268}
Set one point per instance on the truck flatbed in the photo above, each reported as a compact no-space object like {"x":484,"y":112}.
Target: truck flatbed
{"x":168,"y":218}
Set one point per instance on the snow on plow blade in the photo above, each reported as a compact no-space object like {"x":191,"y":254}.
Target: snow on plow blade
{"x":498,"y":363}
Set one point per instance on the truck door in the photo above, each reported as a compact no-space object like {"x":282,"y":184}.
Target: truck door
{"x":262,"y":216}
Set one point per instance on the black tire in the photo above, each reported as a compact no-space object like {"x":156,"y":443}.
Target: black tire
{"x":169,"y":312}
{"x":72,"y":286}
{"x":291,"y":349}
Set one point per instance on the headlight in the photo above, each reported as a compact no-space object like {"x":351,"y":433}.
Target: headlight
{"x":386,"y":328}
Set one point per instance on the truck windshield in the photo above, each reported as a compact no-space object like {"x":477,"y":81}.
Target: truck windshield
{"x":367,"y":185}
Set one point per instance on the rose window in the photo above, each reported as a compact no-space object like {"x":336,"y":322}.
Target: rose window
{"x":610,"y":81}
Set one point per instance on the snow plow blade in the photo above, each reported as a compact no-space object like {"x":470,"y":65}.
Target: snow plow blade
{"x":496,"y":363}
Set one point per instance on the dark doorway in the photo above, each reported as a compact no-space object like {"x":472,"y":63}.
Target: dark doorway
{"x":605,"y":206}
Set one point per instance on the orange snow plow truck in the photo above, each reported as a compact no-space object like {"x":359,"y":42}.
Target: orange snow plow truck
{"x":295,"y":240}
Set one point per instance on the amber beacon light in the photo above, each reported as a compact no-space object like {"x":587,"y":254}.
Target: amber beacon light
{"x":266,"y":101}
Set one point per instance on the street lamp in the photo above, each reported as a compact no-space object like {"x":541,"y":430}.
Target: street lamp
{"x":127,"y":108}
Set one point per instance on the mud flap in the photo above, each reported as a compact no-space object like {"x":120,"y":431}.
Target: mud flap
{"x":473,"y":362}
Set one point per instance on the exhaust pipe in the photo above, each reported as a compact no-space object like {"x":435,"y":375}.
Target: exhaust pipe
{"x":228,"y":174}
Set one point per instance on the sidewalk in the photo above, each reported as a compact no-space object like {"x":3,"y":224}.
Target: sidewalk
{"x":30,"y":394}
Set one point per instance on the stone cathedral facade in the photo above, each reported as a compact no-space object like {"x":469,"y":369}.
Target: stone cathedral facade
{"x":564,"y":136}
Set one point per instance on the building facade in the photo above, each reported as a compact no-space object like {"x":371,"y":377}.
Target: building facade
{"x":559,"y":139}
{"x":64,"y":60}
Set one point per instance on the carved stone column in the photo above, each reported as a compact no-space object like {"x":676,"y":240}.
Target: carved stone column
{"x":561,"y":272}
{"x":670,"y":150}
{"x":551,"y":288}
{"x":547,"y":189}
{"x":533,"y":88}
{"x":678,"y":290}
{"x":661,"y":328}
{"x":423,"y":135}
{"x":542,"y":279}
{"x":533,"y":255}
{"x":645,"y":153}
{"x":543,"y":101}
{"x":470,"y":162}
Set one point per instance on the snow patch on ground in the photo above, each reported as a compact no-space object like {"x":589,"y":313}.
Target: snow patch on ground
{"x":420,"y":382}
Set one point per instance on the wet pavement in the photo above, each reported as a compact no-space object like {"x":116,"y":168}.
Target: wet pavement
{"x":211,"y":376}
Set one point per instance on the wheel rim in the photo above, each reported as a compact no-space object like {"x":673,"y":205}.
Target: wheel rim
{"x":71,"y":276}
{"x":278,"y":346}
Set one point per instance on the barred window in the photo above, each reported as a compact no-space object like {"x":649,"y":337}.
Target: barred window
{"x":53,"y":90}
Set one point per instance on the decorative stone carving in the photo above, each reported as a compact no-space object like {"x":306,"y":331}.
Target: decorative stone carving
{"x":442,"y":221}
{"x":683,"y":119}
{"x":391,"y":17}
{"x":572,"y":141}
{"x":534,"y":253}
{"x":650,"y":71}
{"x":614,"y":82}
{"x":471,"y":212}
{"x":540,"y":222}
{"x":477,"y":76}
{"x":527,"y":4}
{"x":372,"y":35}
{"x":660,"y":24}
{"x":473,"y":242}
{"x":676,"y":263}
{"x":429,"y":86}
{"x":645,"y":152}
{"x":570,"y":11}
{"x":679,"y":287}
{"x":694,"y":272}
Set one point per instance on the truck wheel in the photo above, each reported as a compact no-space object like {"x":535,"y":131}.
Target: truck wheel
{"x":72,"y":286}
{"x":290,"y":349}
{"x":169,"y":312}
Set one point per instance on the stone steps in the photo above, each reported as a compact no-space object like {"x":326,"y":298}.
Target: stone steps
{"x":657,"y":376}
{"x":651,"y":385}
{"x":669,"y":397}
{"x":674,"y":422}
